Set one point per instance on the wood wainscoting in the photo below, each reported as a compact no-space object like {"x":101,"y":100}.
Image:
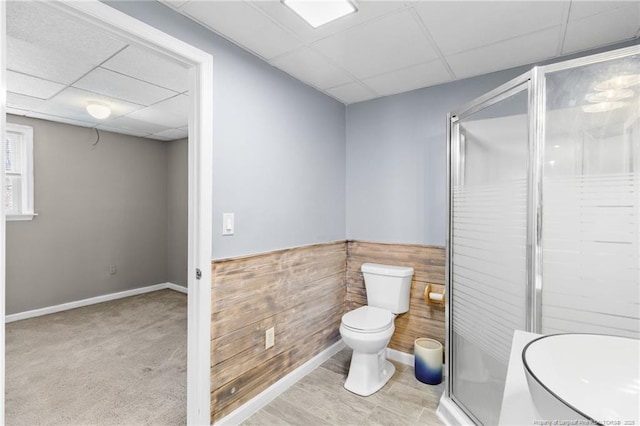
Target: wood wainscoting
{"x":299,"y":291}
{"x":422,"y":320}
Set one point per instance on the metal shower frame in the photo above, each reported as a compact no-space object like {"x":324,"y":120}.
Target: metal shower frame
{"x":533,"y":82}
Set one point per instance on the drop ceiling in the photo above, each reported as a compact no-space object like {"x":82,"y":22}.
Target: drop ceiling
{"x":56,"y":65}
{"x":390,"y":47}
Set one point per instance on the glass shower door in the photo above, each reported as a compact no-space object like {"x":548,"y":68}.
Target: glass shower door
{"x":488,"y":247}
{"x":591,"y":190}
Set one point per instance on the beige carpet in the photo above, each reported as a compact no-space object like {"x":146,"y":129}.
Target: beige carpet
{"x":122,"y":362}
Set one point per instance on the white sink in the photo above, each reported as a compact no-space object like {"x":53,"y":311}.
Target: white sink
{"x":584,"y":376}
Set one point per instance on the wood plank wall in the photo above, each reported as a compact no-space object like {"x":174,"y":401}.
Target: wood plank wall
{"x":422,"y":320}
{"x":300,"y":291}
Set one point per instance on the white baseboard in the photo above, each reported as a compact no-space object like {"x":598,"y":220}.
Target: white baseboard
{"x":177,"y":287}
{"x":401,"y":357}
{"x":92,"y":301}
{"x":272,"y":392}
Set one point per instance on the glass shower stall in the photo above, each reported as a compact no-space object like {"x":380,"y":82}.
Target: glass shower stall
{"x":544,"y":229}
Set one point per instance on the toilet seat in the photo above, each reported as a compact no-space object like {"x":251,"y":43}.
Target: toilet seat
{"x":368,"y":319}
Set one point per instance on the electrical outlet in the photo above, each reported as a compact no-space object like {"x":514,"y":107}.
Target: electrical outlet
{"x":113,"y":269}
{"x":269,"y":338}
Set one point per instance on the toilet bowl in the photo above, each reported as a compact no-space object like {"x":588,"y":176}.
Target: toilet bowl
{"x":369,"y":369}
{"x":368,"y":329}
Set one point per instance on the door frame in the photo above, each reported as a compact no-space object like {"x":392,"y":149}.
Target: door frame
{"x":200,"y":159}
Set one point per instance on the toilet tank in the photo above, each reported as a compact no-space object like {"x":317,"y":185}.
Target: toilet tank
{"x":387,"y":286}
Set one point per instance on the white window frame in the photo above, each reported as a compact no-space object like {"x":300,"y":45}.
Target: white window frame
{"x":25,"y":133}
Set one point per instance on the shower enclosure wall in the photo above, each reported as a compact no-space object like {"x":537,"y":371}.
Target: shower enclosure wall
{"x":544,"y":200}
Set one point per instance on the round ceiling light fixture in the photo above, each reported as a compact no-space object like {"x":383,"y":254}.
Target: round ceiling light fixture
{"x":98,"y":110}
{"x":620,"y":82}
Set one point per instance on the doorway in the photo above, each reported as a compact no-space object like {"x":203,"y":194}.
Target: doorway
{"x":129,"y":29}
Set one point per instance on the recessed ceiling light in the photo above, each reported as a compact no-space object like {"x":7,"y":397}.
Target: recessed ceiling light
{"x":556,"y":146}
{"x":610,"y":95}
{"x":603,"y":106}
{"x":98,"y":110}
{"x":620,"y":82}
{"x":319,"y":12}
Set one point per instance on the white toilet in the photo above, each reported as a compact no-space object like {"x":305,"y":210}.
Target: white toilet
{"x":368,"y":329}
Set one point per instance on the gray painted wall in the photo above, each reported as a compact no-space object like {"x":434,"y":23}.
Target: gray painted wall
{"x":177,"y":210}
{"x":96,"y":206}
{"x":279,"y":146}
{"x":396,"y":159}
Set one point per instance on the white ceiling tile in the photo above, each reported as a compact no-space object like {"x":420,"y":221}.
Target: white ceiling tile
{"x":393,"y":42}
{"x":16,"y":100}
{"x":65,"y":120}
{"x":244,"y":25}
{"x":310,"y":67}
{"x":46,"y":63}
{"x":120,"y":86}
{"x":134,"y":125}
{"x":507,"y":54}
{"x":414,"y":77}
{"x":582,"y":9}
{"x":41,"y":25}
{"x":149,"y":66}
{"x":171,"y":134}
{"x":121,"y":130}
{"x":367,"y":10}
{"x":459,"y":26}
{"x":32,"y":86}
{"x":351,"y":92}
{"x":173,"y":112}
{"x":45,"y":42}
{"x":587,"y":33}
{"x":72,"y":103}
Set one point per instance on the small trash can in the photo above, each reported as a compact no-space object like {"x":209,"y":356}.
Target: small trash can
{"x":428,"y":360}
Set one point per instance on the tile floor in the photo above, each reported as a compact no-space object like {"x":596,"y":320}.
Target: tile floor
{"x":320,"y":399}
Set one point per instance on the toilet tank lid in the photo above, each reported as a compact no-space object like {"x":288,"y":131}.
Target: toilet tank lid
{"x":388,"y":270}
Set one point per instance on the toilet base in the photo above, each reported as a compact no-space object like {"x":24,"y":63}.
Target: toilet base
{"x":368,"y":373}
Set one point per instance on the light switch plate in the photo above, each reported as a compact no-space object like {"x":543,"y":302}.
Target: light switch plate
{"x":228,"y":224}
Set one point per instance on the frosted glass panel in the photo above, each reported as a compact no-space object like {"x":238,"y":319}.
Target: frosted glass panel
{"x":488,"y":249}
{"x":591,"y":190}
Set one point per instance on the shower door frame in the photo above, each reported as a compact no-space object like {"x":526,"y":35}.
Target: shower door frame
{"x":455,"y":163}
{"x":533,"y":81}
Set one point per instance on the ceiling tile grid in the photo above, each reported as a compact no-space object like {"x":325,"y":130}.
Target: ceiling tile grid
{"x":379,"y":46}
{"x":146,"y":66}
{"x":380,"y":50}
{"x":244,"y":25}
{"x":57,"y":65}
{"x":316,"y":70}
{"x":622,"y":23}
{"x":485,"y":23}
{"x":402,"y":80}
{"x":352,"y":92}
{"x":506,"y":54}
{"x":120,"y":86}
{"x":32,"y":86}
